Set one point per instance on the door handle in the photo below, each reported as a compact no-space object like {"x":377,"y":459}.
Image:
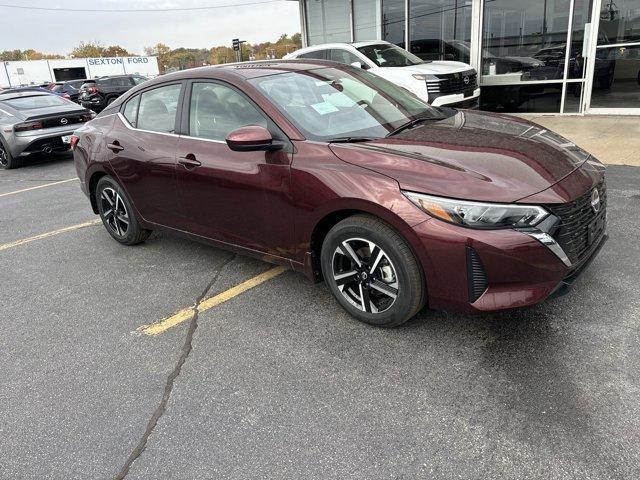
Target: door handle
{"x":115,"y":146}
{"x":189,"y":161}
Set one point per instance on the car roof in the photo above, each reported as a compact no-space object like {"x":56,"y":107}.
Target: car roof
{"x":246,"y":70}
{"x":323,"y":46}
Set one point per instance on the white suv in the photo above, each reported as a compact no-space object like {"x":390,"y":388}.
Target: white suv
{"x":440,"y":83}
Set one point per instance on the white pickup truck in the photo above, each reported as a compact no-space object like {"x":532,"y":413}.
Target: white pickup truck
{"x":440,"y":83}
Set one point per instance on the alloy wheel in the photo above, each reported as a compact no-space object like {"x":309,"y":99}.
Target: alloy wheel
{"x":4,"y":158}
{"x":114,"y":211}
{"x":365,"y":275}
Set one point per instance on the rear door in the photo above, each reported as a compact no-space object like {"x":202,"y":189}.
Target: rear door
{"x":142,"y":148}
{"x":236,"y":197}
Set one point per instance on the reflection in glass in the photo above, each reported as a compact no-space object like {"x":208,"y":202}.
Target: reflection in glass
{"x":393,"y":21}
{"x":440,"y":29}
{"x":524,"y":39}
{"x":522,"y":98}
{"x":617,"y":83}
{"x":619,"y":21}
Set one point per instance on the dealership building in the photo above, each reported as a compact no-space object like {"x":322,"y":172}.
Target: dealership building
{"x":556,"y":56}
{"x":36,"y":72}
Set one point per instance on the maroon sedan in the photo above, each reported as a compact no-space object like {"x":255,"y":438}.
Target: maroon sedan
{"x":339,"y":174}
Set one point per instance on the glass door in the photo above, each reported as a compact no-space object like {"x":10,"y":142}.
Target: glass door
{"x":614,"y":69}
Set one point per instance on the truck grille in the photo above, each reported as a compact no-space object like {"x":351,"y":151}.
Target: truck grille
{"x":575,"y":217}
{"x":451,"y":83}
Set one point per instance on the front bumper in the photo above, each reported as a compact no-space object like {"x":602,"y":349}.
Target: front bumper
{"x":457,"y":100}
{"x":518,"y":269}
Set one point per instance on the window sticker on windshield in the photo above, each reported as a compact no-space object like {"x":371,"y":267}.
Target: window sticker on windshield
{"x":324,"y":108}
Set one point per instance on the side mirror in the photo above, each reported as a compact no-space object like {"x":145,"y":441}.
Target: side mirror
{"x":251,"y":138}
{"x":359,"y":65}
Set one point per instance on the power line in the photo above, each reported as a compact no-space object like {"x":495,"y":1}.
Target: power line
{"x":139,"y":10}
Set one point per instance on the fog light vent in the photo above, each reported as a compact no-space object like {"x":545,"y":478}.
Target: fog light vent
{"x":476,"y":276}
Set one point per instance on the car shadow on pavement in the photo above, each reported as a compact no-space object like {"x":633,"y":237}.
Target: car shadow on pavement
{"x":533,"y":381}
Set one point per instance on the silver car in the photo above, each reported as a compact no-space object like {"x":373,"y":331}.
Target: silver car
{"x":36,"y":122}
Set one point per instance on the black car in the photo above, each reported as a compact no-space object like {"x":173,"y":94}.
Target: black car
{"x":70,"y":88}
{"x":96,"y":94}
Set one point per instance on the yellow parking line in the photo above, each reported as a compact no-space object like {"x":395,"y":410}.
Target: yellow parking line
{"x":49,"y":234}
{"x":50,"y":184}
{"x":185,"y":314}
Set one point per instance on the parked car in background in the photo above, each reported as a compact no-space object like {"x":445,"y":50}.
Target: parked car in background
{"x":70,"y":89}
{"x":98,"y":93}
{"x":339,"y":173}
{"x":450,"y":83}
{"x":34,"y":121}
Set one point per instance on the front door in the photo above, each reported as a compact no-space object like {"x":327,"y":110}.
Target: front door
{"x":241,"y":198}
{"x":614,"y":72}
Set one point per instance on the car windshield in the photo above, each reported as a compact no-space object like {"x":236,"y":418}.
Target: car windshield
{"x":36,"y":101}
{"x":385,"y":55}
{"x":326,"y":104}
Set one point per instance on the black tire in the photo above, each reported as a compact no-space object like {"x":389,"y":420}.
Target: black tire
{"x":8,"y":161}
{"x":398,"y":262}
{"x":117,"y":214}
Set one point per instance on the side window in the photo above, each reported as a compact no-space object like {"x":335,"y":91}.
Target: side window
{"x":216,"y":110}
{"x":139,"y":80}
{"x":317,"y":55}
{"x":158,"y":107}
{"x":343,"y":56}
{"x":130,"y":110}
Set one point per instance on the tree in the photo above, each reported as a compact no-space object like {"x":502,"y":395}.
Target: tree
{"x":88,"y":49}
{"x":116,"y":51}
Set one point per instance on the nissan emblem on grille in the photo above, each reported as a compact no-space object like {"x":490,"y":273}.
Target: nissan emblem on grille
{"x":595,"y":200}
{"x":466,"y":79}
{"x":64,"y":121}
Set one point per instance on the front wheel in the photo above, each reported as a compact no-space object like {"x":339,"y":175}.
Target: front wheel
{"x":372,"y":272}
{"x":117,"y":213}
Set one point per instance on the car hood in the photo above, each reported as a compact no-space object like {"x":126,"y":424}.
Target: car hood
{"x":437,"y":67}
{"x":470,"y":155}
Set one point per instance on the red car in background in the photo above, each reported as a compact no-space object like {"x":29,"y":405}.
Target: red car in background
{"x":339,"y":174}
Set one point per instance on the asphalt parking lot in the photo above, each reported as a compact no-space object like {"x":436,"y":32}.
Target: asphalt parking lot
{"x":277,"y":381}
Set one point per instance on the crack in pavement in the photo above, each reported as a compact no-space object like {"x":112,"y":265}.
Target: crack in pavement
{"x":184,"y":354}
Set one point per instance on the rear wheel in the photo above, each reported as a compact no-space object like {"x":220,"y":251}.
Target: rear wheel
{"x":7,"y":161}
{"x":372,"y":272}
{"x":117,"y":213}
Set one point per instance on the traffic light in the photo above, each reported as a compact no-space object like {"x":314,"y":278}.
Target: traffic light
{"x":236,"y":44}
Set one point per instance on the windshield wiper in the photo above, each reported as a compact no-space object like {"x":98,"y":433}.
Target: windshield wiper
{"x":413,"y":123}
{"x":350,"y":139}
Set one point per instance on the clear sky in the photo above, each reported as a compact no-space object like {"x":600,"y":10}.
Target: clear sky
{"x":58,"y":32}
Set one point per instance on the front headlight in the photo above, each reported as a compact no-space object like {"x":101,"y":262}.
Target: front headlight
{"x":478,"y":214}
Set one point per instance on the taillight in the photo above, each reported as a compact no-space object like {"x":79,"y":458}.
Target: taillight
{"x":74,"y":141}
{"x":92,"y":89}
{"x":25,"y":127}
{"x":88,"y":116}
{"x":66,"y":95}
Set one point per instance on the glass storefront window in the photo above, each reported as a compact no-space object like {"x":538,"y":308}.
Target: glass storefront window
{"x":328,"y":21}
{"x":440,"y":29}
{"x":393,"y":21}
{"x":616,"y":78}
{"x":522,"y":98}
{"x":619,"y":21}
{"x":366,"y":20}
{"x":524,"y":40}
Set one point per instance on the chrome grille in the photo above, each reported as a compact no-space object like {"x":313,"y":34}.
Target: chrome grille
{"x":451,"y":83}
